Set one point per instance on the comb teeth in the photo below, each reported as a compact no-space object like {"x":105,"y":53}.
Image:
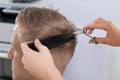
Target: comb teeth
{"x":53,"y":41}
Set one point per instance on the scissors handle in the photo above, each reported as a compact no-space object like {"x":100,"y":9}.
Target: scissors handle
{"x":83,"y":31}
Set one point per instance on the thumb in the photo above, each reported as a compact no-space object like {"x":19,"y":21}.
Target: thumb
{"x":98,"y":40}
{"x":38,"y":45}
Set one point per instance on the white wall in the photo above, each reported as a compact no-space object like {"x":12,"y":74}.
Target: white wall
{"x":92,"y":62}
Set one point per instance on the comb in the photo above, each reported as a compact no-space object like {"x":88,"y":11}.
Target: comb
{"x":53,"y":41}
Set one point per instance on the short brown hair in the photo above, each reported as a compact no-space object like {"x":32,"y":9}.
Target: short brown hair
{"x":42,"y":23}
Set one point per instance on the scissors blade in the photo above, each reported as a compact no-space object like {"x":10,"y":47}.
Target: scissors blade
{"x":88,"y":35}
{"x":78,"y":31}
{"x":81,"y":31}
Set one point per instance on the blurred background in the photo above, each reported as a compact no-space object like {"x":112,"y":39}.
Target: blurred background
{"x":90,"y":61}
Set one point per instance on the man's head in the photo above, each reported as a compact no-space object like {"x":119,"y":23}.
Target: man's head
{"x":41,"y":23}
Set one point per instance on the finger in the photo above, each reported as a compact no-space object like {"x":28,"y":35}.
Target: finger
{"x":23,"y":60}
{"x":99,"y":20}
{"x":26,"y":49}
{"x":90,"y":31}
{"x":104,"y":26}
{"x":39,"y":46}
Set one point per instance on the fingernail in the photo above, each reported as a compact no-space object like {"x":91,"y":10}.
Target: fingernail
{"x":38,"y":42}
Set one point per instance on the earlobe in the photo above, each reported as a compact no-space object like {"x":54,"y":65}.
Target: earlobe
{"x":10,"y":54}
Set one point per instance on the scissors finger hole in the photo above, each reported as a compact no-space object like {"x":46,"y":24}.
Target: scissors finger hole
{"x":94,"y":40}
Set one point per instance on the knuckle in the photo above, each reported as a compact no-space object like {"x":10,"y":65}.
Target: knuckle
{"x":23,"y":60}
{"x":109,"y":25}
{"x":45,"y":47}
{"x":98,"y":19}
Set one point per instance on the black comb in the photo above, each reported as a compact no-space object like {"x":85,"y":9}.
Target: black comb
{"x":53,"y":41}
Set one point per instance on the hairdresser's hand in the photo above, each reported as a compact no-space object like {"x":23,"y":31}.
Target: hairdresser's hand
{"x":113,"y":33}
{"x":40,"y":64}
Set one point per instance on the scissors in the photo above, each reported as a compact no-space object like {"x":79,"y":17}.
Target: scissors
{"x":83,"y":31}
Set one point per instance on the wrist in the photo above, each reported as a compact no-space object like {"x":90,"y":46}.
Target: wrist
{"x":54,"y":74}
